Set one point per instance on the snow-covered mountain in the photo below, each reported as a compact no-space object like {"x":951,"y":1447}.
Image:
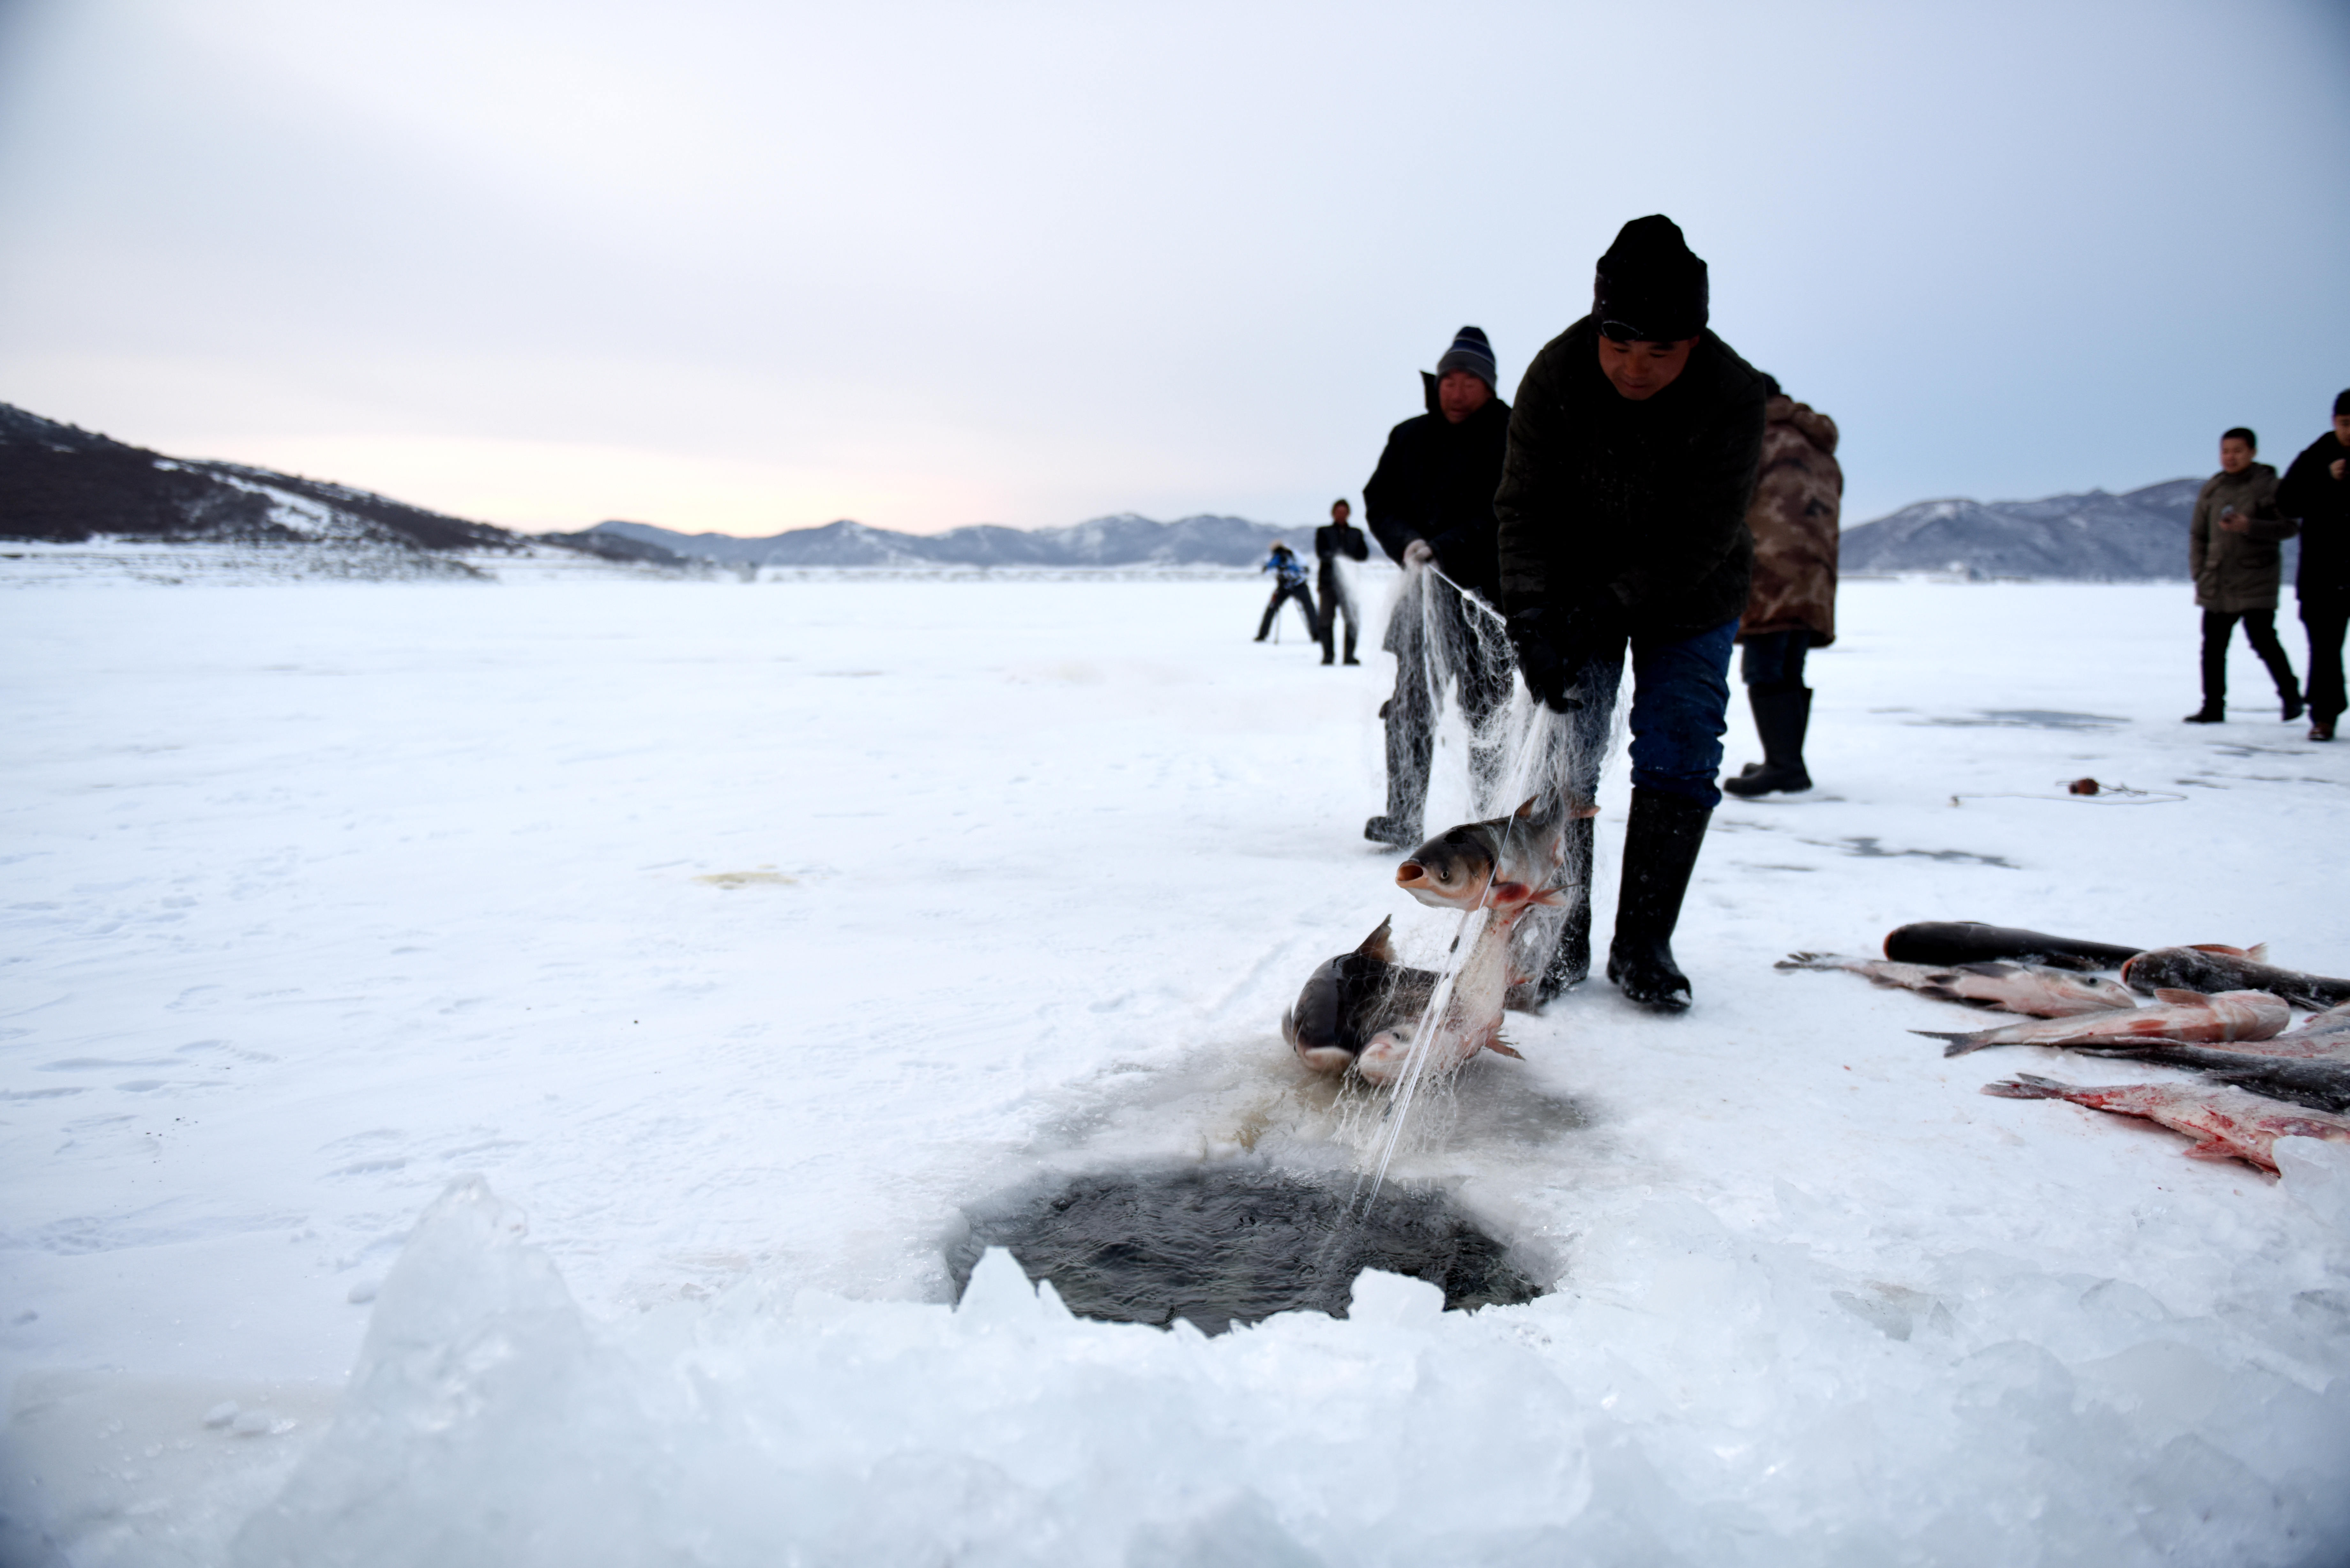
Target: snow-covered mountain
{"x":2139,"y":534}
{"x":63,"y":485}
{"x":1124,"y":540}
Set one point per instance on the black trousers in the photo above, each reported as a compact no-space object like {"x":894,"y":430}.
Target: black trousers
{"x":1284,"y":591}
{"x":2260,"y":630}
{"x":1336,"y":601}
{"x":2325,"y":616}
{"x":1774,"y":661}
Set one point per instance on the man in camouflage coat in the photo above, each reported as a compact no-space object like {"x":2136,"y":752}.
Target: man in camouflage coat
{"x":1790,"y":609}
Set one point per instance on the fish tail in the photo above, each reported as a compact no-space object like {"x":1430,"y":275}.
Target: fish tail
{"x":1805,"y":961}
{"x":1954,"y":1044}
{"x":2024,"y":1087}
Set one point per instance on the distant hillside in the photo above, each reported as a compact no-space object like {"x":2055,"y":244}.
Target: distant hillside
{"x":2136,"y":535}
{"x":64,"y":485}
{"x":1125,"y":540}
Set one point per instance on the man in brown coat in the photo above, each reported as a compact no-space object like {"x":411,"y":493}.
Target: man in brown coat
{"x":1790,"y":609}
{"x":2233,"y":554}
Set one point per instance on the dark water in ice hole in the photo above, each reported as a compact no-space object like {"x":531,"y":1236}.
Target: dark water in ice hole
{"x":1223,"y":1242}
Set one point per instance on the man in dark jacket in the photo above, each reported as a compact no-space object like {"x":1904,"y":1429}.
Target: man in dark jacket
{"x":1431,"y":502}
{"x":2315,"y":491}
{"x":1633,"y":454}
{"x":1336,"y":541}
{"x":2233,"y":554}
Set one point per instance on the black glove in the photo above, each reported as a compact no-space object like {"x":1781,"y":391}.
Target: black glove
{"x":1556,"y":643}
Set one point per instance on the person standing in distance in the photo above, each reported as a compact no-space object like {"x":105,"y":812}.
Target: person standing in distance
{"x":1334,"y":541}
{"x":2315,"y":493}
{"x":2232,"y":555}
{"x":1791,"y":607}
{"x":1288,"y":583}
{"x":1633,"y":454}
{"x":1432,"y":502}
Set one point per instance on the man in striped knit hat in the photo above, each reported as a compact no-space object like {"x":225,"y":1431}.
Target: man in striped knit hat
{"x":1430,"y":503}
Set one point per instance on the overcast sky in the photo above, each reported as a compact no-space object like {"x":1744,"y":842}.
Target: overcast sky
{"x":753,"y":268}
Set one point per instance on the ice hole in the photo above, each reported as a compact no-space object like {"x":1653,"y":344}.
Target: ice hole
{"x":1221,"y":1244}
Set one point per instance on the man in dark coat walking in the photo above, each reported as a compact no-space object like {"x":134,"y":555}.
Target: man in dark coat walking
{"x":1336,"y":541}
{"x":1431,"y":502}
{"x":1632,"y":459}
{"x":2234,"y":555}
{"x":2315,"y":492}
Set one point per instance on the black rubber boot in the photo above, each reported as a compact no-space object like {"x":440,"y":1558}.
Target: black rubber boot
{"x":1570,"y":960}
{"x":1782,"y":715}
{"x":1660,"y":847}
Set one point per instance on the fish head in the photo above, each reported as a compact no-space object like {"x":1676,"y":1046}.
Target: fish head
{"x":1452,"y":869}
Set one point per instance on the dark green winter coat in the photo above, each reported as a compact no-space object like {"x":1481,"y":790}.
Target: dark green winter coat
{"x":2238,"y":572}
{"x":1648,"y":499}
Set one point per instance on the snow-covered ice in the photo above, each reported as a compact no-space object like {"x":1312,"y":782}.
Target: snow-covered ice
{"x":739,"y":935}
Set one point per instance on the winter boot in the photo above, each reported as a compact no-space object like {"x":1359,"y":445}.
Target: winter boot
{"x":2207,"y":714}
{"x":1570,"y":960}
{"x":1782,"y":715}
{"x":1660,"y":848}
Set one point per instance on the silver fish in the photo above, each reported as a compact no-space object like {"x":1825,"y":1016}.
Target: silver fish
{"x":2032,"y":990}
{"x":1496,"y":862}
{"x":2184,"y":1015}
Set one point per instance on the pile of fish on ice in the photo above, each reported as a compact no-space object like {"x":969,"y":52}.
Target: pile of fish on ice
{"x":1363,"y":1010}
{"x":2219,"y":1012}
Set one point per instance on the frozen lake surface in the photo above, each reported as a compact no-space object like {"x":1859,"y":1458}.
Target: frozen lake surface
{"x":741,"y":936}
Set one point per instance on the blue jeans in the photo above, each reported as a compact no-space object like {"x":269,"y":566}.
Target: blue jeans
{"x":1774,"y":661}
{"x":1680,"y":692}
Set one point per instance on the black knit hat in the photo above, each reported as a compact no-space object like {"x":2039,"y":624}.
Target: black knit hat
{"x":1650,"y":287}
{"x":2342,"y":401}
{"x":1471,"y":352}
